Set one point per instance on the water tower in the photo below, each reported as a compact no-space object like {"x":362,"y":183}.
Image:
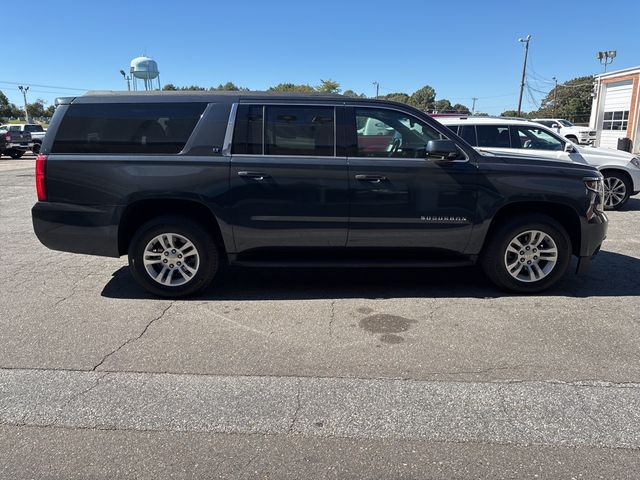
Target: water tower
{"x":145,"y":69}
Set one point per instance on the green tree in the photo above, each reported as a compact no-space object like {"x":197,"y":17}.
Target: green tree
{"x":459,"y":108}
{"x":229,"y":87}
{"x":397,"y":97}
{"x":5,"y":106}
{"x":170,"y":87}
{"x":512,"y":113}
{"x":49,"y":111}
{"x":423,"y":98}
{"x":571,"y":100}
{"x":36,"y":109}
{"x":328,"y":86}
{"x":442,"y":106}
{"x":291,"y":87}
{"x":351,"y":93}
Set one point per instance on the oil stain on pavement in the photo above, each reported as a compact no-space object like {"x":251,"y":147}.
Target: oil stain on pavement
{"x":388,"y":326}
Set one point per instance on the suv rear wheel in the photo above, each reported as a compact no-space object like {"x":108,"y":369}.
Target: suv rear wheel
{"x":527,"y":255}
{"x":173,"y":257}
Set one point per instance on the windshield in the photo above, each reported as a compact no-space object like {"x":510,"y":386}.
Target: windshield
{"x":566,"y":123}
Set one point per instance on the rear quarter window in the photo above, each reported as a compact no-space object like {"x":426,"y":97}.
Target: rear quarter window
{"x":120,"y":128}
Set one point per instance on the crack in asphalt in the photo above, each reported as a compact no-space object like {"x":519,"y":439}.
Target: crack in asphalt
{"x":296,"y":412}
{"x":332,"y":317}
{"x":133,"y":339}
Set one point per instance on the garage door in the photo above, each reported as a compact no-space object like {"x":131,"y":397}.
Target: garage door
{"x":615,"y":117}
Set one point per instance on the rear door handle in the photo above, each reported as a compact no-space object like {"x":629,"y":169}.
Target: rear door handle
{"x":253,"y":175}
{"x":371,"y":178}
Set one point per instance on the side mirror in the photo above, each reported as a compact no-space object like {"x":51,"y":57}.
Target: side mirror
{"x":442,"y":150}
{"x":569,"y":148}
{"x":556,"y":125}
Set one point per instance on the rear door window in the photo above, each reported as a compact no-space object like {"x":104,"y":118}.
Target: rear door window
{"x":299,"y":130}
{"x":468,"y":132}
{"x":495,"y":136}
{"x":247,"y":132}
{"x":120,"y":128}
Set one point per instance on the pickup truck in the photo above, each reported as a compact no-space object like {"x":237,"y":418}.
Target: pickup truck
{"x":14,"y":143}
{"x":37,"y":133}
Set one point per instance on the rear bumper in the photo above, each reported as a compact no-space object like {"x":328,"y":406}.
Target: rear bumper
{"x":76,"y":228}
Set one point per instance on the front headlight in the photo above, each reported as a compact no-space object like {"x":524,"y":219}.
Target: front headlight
{"x":635,"y":161}
{"x":596,"y":186}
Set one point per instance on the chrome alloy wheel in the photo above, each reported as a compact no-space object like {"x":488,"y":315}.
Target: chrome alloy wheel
{"x":531,"y":256}
{"x":171,"y":259}
{"x":614,"y":191}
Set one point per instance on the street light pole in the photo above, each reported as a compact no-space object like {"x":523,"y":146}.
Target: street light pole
{"x":24,"y":91}
{"x":473,"y":108}
{"x":555,"y":96}
{"x":606,"y":58}
{"x":127,"y":78}
{"x":377,"y":88}
{"x":524,"y":70}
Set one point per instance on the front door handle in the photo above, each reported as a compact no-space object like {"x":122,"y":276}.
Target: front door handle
{"x":253,"y":175}
{"x":371,"y":178}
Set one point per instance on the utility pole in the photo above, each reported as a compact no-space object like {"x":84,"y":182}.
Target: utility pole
{"x":473,"y":108}
{"x":555,"y":96}
{"x":377,"y":88}
{"x":524,"y":70}
{"x":24,"y":91}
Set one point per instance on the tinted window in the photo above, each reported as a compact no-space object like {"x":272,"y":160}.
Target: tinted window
{"x":546,"y":123}
{"x":127,"y":128}
{"x":33,"y":128}
{"x":247,"y":133}
{"x":390,"y":133}
{"x":468,"y":132}
{"x":293,"y":130}
{"x":536,"y":139}
{"x":493,"y":136}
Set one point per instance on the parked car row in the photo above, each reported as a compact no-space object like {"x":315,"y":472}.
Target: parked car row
{"x":501,"y":135}
{"x":19,"y":138}
{"x":185,"y":182}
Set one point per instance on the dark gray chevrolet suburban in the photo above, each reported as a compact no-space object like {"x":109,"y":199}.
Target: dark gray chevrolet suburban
{"x":186,"y":182}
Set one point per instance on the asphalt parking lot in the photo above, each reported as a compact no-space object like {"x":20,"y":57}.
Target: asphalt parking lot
{"x":321,"y":374}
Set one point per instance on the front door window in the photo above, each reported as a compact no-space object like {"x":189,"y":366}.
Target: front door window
{"x":536,"y":139}
{"x":390,"y":133}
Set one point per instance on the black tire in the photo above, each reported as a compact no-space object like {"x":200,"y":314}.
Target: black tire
{"x":207,"y":252}
{"x":573,"y":139}
{"x":493,"y":259}
{"x":36,"y":148}
{"x":16,"y":154}
{"x":609,"y":179}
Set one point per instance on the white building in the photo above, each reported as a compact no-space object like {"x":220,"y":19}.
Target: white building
{"x":616,"y":110}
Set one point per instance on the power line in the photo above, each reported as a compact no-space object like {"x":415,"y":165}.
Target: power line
{"x":43,"y":86}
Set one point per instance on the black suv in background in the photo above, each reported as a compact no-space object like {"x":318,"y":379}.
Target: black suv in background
{"x":184,"y":182}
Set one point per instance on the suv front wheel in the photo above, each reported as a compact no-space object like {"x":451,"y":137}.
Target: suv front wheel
{"x":527,"y":255}
{"x":173,"y":257}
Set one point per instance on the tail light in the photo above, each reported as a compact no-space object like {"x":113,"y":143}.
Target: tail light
{"x":41,"y":161}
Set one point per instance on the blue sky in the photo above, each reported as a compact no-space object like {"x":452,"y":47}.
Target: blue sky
{"x":463,"y":49}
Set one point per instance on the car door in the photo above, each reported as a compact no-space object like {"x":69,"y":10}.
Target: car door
{"x":398,"y":197}
{"x":288,"y":185}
